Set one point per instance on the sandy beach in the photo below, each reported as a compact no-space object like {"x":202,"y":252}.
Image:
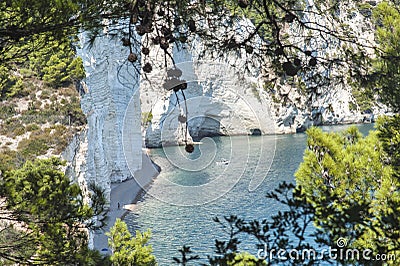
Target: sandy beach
{"x":124,"y":194}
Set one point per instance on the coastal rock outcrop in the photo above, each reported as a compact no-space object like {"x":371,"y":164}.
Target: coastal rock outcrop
{"x":219,"y":101}
{"x":97,"y":155}
{"x":223,"y":99}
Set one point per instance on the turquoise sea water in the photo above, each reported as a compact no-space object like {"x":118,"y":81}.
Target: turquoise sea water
{"x":193,"y":180}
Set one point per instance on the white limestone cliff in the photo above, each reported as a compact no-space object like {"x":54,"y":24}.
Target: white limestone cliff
{"x":225,"y":100}
{"x":220,"y":101}
{"x":97,"y":155}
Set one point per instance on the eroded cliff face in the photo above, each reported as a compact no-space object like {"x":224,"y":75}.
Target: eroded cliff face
{"x":223,"y":99}
{"x":334,"y":102}
{"x":97,"y":154}
{"x":219,"y":100}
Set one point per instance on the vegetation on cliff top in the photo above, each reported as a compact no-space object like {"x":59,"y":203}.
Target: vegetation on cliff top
{"x":40,"y":107}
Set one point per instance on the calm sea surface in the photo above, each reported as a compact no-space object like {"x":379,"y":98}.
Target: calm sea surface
{"x":224,"y":176}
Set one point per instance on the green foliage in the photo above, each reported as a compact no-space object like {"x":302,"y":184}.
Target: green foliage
{"x":389,"y":134}
{"x":28,"y":26}
{"x":9,"y":159}
{"x":344,"y":178}
{"x":22,"y":21}
{"x":4,"y":78}
{"x":40,"y":141}
{"x":128,"y":250}
{"x":347,"y":184}
{"x":10,"y":85}
{"x":32,"y":127}
{"x":75,"y":69}
{"x":146,"y":117}
{"x":19,"y":131}
{"x":47,"y":54}
{"x":56,"y":63}
{"x":44,"y":202}
{"x":245,"y":259}
{"x":10,"y":127}
{"x":33,"y":146}
{"x":364,"y":98}
{"x":257,"y":18}
{"x":7,"y":111}
{"x":63,"y":113}
{"x":16,"y":88}
{"x":67,"y":111}
{"x":386,"y":72}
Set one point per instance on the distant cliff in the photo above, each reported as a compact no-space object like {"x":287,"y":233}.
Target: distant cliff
{"x":224,"y":99}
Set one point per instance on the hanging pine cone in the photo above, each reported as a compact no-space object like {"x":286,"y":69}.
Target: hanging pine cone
{"x":279,"y":51}
{"x":164,"y":46}
{"x":313,"y":62}
{"x":231,"y":43}
{"x":160,"y":12}
{"x":125,"y":41}
{"x":243,"y":3}
{"x":140,"y":30}
{"x":307,"y":53}
{"x":183,"y":39}
{"x":249,"y":49}
{"x":289,"y":69}
{"x":171,"y":38}
{"x":156,"y":40}
{"x":189,"y":148}
{"x":171,"y":83}
{"x":147,"y":68}
{"x":183,"y":85}
{"x":164,"y":43}
{"x":148,"y":28}
{"x":182,"y":118}
{"x":132,"y":57}
{"x":177,"y":22}
{"x":145,"y":50}
{"x":167,"y":85}
{"x":174,"y":72}
{"x":289,"y":18}
{"x":166,"y":31}
{"x":192,"y":25}
{"x":297,"y":62}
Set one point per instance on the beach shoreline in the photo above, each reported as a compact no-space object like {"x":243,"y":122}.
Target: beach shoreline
{"x":123,"y":199}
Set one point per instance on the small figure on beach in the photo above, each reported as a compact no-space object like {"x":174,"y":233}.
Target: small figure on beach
{"x":119,"y":206}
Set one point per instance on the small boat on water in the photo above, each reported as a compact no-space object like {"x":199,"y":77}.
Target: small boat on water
{"x":223,"y":161}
